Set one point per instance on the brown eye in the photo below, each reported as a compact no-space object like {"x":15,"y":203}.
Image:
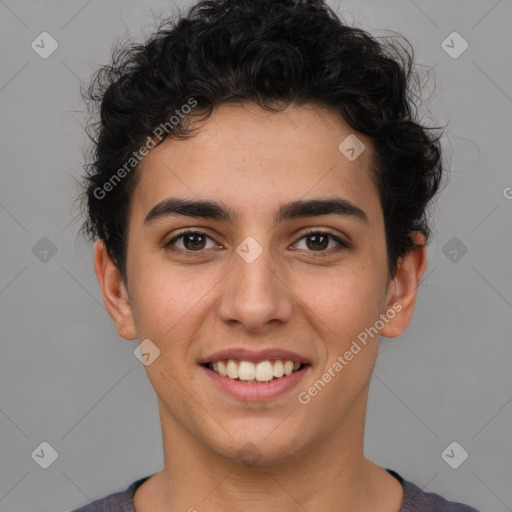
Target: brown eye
{"x":191,"y":241}
{"x":194,"y":241}
{"x":318,"y":241}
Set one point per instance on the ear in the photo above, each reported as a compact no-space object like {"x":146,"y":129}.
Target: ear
{"x":403,"y":288}
{"x":114,"y":292}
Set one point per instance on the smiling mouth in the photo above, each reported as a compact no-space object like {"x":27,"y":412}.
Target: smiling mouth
{"x":247,"y":371}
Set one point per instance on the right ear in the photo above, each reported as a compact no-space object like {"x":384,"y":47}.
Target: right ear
{"x":403,"y":288}
{"x":114,"y":292}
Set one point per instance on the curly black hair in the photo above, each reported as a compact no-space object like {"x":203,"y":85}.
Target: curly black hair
{"x":273,"y":53}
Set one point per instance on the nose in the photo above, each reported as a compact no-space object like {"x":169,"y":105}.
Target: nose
{"x":254,"y":296}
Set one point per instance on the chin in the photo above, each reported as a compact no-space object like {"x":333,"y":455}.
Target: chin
{"x":258,"y":446}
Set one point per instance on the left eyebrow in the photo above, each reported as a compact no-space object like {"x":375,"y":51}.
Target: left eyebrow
{"x":216,"y":210}
{"x":318,"y":207}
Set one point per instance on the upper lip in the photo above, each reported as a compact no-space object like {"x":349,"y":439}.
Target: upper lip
{"x":242,"y":354}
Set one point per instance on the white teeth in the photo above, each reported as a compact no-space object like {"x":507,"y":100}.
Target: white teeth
{"x":247,"y":371}
{"x":288,"y":367}
{"x":222,"y":368}
{"x":232,"y":369}
{"x":278,"y":369}
{"x":264,"y":371}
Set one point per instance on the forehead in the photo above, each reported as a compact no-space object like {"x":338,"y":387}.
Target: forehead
{"x":250,"y":159}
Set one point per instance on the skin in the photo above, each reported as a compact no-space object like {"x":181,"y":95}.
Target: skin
{"x":253,"y":161}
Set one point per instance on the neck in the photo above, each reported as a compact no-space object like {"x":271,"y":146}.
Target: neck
{"x":197,"y":478}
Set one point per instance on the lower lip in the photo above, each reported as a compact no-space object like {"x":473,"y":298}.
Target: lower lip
{"x":257,"y":391}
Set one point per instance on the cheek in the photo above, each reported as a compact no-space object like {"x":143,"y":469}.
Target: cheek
{"x":170,"y":303}
{"x":346,"y":311}
{"x":157,"y":304}
{"x":345,"y":300}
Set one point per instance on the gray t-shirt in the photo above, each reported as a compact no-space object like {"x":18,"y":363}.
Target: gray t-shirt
{"x":414,"y":500}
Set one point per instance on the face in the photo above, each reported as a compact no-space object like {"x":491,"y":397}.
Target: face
{"x":244,"y":277}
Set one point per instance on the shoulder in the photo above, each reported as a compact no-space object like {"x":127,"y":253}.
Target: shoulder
{"x":417,"y":500}
{"x":118,"y":502}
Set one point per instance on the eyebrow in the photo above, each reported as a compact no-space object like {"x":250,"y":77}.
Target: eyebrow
{"x":216,"y":210}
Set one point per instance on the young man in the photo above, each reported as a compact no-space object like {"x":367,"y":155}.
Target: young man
{"x":258,"y":195}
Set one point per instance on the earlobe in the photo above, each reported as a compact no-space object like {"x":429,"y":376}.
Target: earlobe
{"x":114,"y":292}
{"x":404,"y":288}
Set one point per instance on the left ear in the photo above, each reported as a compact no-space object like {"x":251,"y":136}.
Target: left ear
{"x":403,"y":288}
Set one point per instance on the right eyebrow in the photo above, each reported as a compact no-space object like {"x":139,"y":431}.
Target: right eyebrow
{"x":190,"y":208}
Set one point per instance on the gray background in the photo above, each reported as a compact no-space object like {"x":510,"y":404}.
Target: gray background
{"x":68,"y":379}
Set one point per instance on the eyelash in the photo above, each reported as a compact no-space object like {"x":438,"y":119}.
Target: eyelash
{"x":189,"y":253}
